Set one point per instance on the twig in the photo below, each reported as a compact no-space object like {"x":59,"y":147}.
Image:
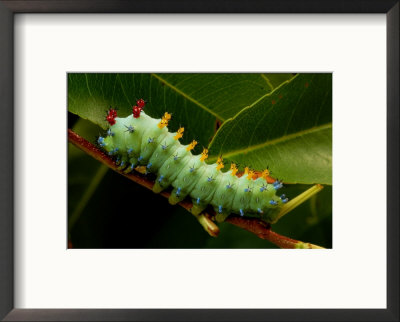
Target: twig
{"x":264,"y":231}
{"x":254,"y":226}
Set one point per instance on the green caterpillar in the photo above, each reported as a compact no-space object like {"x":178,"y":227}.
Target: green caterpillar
{"x":139,"y":139}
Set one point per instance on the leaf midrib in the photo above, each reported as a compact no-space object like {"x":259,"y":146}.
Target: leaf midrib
{"x":281,"y":139}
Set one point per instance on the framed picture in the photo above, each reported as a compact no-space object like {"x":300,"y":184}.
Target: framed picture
{"x":261,"y":134}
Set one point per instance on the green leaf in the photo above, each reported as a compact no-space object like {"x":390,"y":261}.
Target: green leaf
{"x":196,"y":101}
{"x":91,"y":95}
{"x":289,"y":130}
{"x":222,"y":95}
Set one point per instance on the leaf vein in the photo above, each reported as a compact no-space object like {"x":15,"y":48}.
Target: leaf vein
{"x":267,"y":81}
{"x":284,"y":138}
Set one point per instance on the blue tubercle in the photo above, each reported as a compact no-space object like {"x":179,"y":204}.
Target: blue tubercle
{"x":160,"y":179}
{"x":113,"y":151}
{"x":178,"y":191}
{"x":209,"y":179}
{"x":149,"y":165}
{"x":150,"y":140}
{"x":130,"y":129}
{"x":198,"y":200}
{"x":110,"y":133}
{"x":140,"y":158}
{"x":129,"y":151}
{"x":100,"y":141}
{"x":220,"y":209}
{"x":277,"y":184}
{"x":273,"y":202}
{"x":164,"y":146}
{"x":241,"y":212}
{"x":263,"y":188}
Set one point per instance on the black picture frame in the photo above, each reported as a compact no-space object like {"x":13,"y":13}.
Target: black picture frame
{"x":7,"y":11}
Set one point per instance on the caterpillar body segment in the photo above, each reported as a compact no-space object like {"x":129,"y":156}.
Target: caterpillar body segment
{"x":139,"y":139}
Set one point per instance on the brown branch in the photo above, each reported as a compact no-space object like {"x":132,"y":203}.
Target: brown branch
{"x":254,"y":226}
{"x":264,"y":231}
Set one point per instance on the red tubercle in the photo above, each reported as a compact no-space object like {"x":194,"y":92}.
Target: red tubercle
{"x":110,"y":120}
{"x":140,"y":103}
{"x":112,"y":112}
{"x":136,"y":111}
{"x":111,"y":116}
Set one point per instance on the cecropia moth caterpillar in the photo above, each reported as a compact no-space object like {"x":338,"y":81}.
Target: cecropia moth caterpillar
{"x":139,"y":140}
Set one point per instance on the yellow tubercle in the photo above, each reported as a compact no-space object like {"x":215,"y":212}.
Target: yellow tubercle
{"x":234,"y":169}
{"x":265,"y":174}
{"x":191,"y":145}
{"x":220,"y":163}
{"x":250,"y":175}
{"x":246,"y":171}
{"x":164,"y":121}
{"x":167,"y":116}
{"x":179,"y":133}
{"x":204,"y":154}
